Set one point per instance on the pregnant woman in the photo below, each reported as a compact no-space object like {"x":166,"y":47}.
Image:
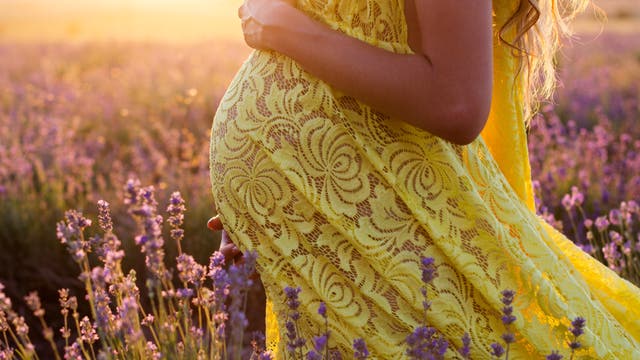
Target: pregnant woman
{"x":362,"y":135}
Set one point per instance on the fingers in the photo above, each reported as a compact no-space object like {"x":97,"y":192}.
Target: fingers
{"x":251,"y":27}
{"x":215,"y":223}
{"x":245,"y":20}
{"x":243,"y":14}
{"x":231,"y":253}
{"x":230,"y":250}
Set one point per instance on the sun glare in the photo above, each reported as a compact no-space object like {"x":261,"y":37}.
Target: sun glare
{"x":154,"y":20}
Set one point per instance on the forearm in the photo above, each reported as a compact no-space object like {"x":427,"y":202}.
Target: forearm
{"x":407,"y":87}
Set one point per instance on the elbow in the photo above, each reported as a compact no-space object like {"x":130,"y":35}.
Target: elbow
{"x":465,"y":122}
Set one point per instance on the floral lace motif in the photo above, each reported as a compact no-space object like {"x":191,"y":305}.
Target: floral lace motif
{"x":343,"y":201}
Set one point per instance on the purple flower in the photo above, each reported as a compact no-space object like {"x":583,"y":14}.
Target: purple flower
{"x":189,"y":271}
{"x":216,"y":260}
{"x":220,"y":287}
{"x":176,"y":211}
{"x":150,"y":241}
{"x":588,"y":223}
{"x":507,"y":296}
{"x":22,"y":329}
{"x":577,"y":329}
{"x":322,"y":310}
{"x":319,"y":342}
{"x":465,"y":350}
{"x":183,"y":293}
{"x":425,"y":342}
{"x":507,"y":319}
{"x":615,"y":217}
{"x":508,"y":338}
{"x":294,"y":342}
{"x":73,"y":352}
{"x":6,"y":354}
{"x":360,"y":351}
{"x":258,"y":345}
{"x":291,"y":295}
{"x":128,"y":314}
{"x":616,"y":237}
{"x":611,"y":254}
{"x":151,"y":351}
{"x":497,"y":350}
{"x":602,"y":223}
{"x":588,"y":248}
{"x":554,"y":356}
{"x":429,"y":272}
{"x":239,"y":285}
{"x":312,"y":355}
{"x":104,"y":216}
{"x":71,"y":233}
{"x":428,"y":269}
{"x":578,"y":326}
{"x":567,"y":202}
{"x":131,"y":191}
{"x":574,"y":345}
{"x":577,"y":198}
{"x":88,"y":331}
{"x":33,"y":302}
{"x":267,"y":355}
{"x":104,"y":316}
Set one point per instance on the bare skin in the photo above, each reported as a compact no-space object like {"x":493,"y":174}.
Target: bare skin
{"x":230,"y":251}
{"x":444,"y":87}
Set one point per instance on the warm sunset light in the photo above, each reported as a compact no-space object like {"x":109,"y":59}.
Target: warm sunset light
{"x":323,"y":179}
{"x":160,"y":20}
{"x":168,"y":20}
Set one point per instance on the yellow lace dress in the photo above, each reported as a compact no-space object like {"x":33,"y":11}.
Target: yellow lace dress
{"x":343,"y":201}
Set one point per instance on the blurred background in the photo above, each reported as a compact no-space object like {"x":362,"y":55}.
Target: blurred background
{"x":155,"y":20}
{"x":93,"y":92}
{"x":181,"y":20}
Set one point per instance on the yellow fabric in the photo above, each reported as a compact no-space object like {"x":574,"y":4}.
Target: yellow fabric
{"x":505,"y":132}
{"x":343,"y":201}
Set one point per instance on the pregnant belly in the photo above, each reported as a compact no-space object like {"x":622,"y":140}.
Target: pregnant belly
{"x":267,"y":101}
{"x":297,"y":127}
{"x":263,"y":107}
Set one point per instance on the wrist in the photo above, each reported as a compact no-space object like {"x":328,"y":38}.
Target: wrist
{"x":276,"y":22}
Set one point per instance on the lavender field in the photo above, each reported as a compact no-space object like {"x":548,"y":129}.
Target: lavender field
{"x":78,"y":120}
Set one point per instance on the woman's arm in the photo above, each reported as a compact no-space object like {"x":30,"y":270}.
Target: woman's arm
{"x":444,"y":88}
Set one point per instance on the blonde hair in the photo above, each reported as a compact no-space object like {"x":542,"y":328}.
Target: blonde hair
{"x":535,"y":32}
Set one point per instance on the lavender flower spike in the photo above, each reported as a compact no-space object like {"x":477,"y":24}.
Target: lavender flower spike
{"x":497,"y":350}
{"x":360,"y":351}
{"x":578,"y":326}
{"x":428,"y":269}
{"x":577,"y":330}
{"x":294,"y":342}
{"x":554,"y":356}
{"x":465,"y":350}
{"x":507,"y":319}
{"x":176,"y":211}
{"x":104,"y":216}
{"x":322,"y":310}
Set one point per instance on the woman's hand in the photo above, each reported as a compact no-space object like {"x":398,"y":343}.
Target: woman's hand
{"x":232,"y":255}
{"x":258,"y":17}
